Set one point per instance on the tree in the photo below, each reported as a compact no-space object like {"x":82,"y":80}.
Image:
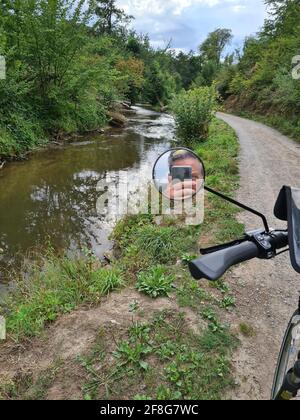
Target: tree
{"x":61,"y":78}
{"x":284,"y":18}
{"x":110,"y":17}
{"x":188,"y":66}
{"x":212,"y":48}
{"x":160,"y":84}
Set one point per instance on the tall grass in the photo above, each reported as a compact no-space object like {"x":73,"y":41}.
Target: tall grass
{"x":54,"y":287}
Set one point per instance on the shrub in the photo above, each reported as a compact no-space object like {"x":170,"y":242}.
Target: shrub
{"x":193,"y":111}
{"x":18,"y":134}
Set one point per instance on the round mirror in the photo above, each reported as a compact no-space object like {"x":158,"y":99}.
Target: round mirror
{"x":179,"y":174}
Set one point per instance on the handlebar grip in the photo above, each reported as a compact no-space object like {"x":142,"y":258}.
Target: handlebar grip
{"x":213,"y":266}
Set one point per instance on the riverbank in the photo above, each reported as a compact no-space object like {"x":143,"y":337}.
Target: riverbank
{"x":115,"y":118}
{"x":77,"y":343}
{"x":52,"y":142}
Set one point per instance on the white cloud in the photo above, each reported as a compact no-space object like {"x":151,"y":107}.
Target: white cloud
{"x":158,"y":7}
{"x":187,"y":22}
{"x":238,"y":8}
{"x":140,"y":8}
{"x":179,"y":50}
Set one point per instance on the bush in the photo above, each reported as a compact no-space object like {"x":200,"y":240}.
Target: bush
{"x":193,"y":111}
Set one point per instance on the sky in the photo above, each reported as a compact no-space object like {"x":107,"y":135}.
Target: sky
{"x":187,"y":22}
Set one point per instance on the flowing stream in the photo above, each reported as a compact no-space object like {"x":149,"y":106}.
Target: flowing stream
{"x":52,"y":197}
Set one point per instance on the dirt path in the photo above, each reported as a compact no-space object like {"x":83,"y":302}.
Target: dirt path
{"x":74,"y":335}
{"x":266,"y":291}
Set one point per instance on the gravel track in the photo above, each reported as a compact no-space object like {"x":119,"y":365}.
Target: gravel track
{"x":267,"y":291}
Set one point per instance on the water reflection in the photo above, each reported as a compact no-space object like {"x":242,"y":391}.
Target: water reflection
{"x":54,"y":194}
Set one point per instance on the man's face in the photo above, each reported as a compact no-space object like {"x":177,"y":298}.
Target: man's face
{"x":190,"y":187}
{"x":197,"y":170}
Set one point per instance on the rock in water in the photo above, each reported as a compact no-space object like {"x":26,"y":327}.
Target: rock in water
{"x":117,"y":119}
{"x":126,"y":105}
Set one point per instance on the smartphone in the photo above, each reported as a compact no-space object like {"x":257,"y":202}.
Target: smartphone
{"x":182,"y":173}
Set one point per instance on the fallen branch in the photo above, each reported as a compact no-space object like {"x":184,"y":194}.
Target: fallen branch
{"x":2,"y":164}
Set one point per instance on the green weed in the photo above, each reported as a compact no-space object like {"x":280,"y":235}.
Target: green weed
{"x":155,"y":282}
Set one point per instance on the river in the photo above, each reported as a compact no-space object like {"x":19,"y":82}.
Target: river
{"x":52,"y":197}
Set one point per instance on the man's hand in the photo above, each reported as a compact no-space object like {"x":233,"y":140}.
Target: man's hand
{"x":181,"y":190}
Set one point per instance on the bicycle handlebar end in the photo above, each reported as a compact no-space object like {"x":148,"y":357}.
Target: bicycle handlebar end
{"x":213,"y":266}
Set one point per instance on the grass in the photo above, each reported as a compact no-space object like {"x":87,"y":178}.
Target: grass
{"x":56,"y":286}
{"x":165,"y":360}
{"x":143,"y":244}
{"x":222,"y":174}
{"x":247,"y":330}
{"x":162,"y":358}
{"x":191,"y":295}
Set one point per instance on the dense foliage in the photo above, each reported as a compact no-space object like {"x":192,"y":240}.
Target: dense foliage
{"x":69,"y":61}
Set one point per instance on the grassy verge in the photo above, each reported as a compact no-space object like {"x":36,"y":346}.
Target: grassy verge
{"x":161,"y":358}
{"x":54,"y":287}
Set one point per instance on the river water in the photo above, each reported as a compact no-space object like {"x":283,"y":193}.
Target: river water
{"x":52,"y":197}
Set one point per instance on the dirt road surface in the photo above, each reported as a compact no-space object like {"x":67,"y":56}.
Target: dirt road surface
{"x":266,"y":290}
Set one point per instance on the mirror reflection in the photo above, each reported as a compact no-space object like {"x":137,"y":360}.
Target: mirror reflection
{"x":179,"y":174}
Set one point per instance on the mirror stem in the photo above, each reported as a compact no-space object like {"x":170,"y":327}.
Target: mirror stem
{"x":242,"y":206}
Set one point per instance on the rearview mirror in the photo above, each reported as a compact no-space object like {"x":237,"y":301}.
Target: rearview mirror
{"x":288,"y":208}
{"x":179,"y":174}
{"x":293,"y":200}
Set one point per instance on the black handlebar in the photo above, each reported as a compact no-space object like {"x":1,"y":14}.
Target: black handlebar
{"x":213,"y":266}
{"x":258,"y":245}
